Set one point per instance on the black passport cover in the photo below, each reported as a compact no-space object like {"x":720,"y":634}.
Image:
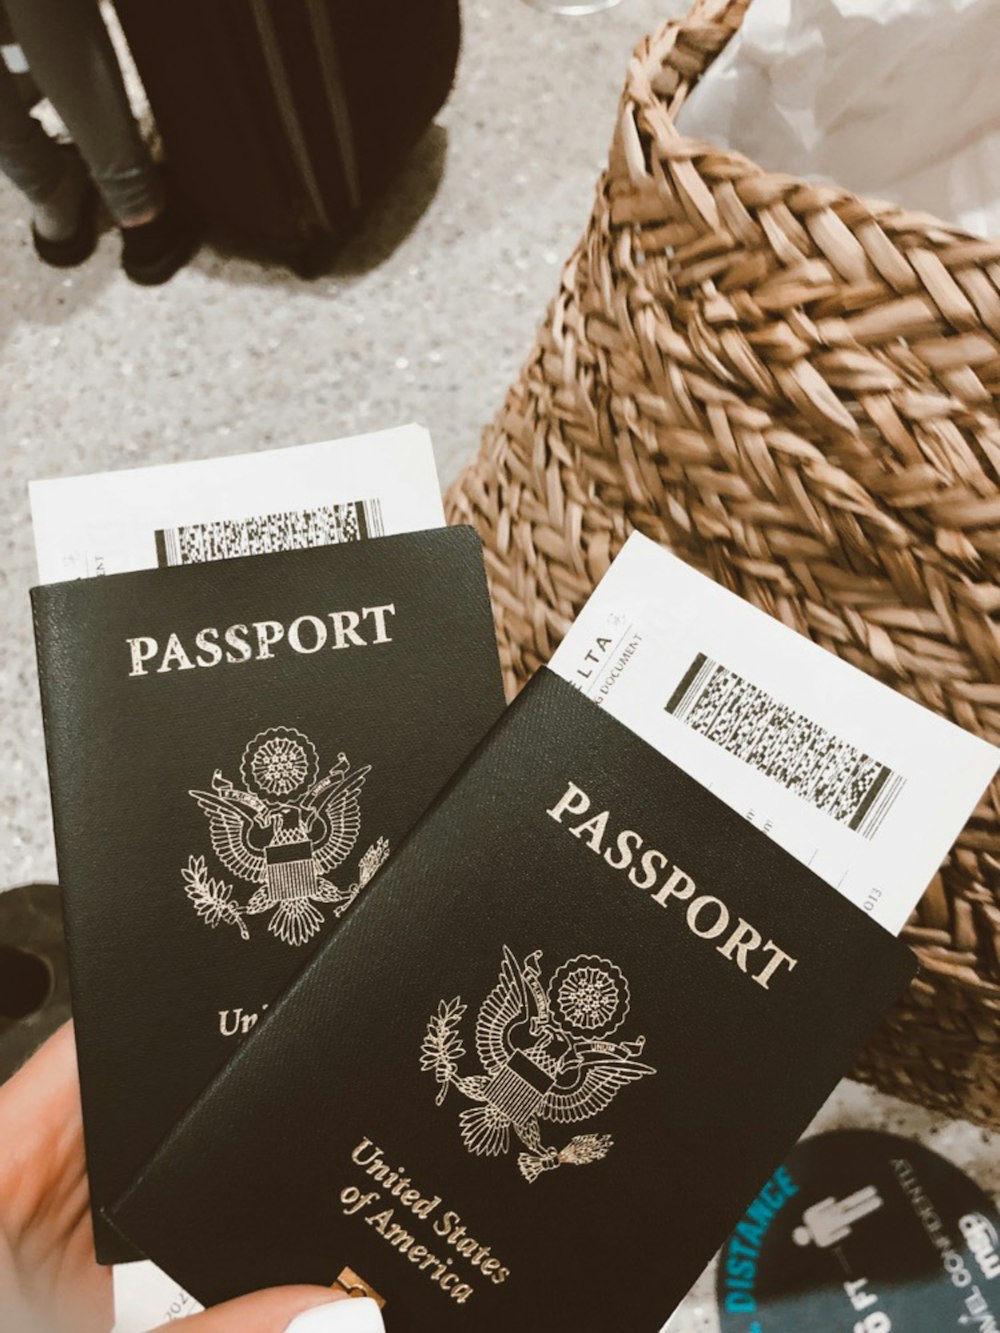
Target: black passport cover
{"x":212,"y":822}
{"x":557,"y":1094}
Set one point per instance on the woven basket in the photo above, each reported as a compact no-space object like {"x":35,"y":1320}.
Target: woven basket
{"x":797,"y":392}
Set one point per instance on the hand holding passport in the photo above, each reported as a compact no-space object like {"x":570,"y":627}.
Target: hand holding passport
{"x":371,"y":976}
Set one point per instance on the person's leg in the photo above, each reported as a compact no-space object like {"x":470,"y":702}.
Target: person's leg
{"x":71,"y":57}
{"x":28,"y":157}
{"x":51,"y":176}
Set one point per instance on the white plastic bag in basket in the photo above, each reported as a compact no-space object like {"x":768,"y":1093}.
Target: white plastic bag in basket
{"x":893,"y":99}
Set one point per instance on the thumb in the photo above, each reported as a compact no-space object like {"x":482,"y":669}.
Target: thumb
{"x":295,"y":1309}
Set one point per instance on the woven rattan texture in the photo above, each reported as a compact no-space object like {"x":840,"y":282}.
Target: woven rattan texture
{"x":798,"y":392}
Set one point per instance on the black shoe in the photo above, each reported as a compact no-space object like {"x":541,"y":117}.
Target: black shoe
{"x":78,"y":248}
{"x":153,"y":252}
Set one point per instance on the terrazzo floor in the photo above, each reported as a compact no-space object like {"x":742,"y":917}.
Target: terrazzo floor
{"x":426,"y":316}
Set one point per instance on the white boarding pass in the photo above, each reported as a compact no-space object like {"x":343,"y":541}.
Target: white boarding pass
{"x":244,"y":504}
{"x":861,"y":784}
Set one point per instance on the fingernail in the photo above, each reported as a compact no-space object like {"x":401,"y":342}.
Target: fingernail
{"x":353,"y":1316}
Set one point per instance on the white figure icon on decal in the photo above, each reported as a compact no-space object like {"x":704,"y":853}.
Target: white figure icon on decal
{"x":831,"y":1221}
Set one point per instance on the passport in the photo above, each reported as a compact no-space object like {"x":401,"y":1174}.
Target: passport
{"x":235,"y":748}
{"x":543,"y":1067}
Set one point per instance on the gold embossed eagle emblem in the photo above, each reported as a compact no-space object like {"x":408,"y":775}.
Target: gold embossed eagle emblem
{"x":546,"y":1055}
{"x":284,"y":830}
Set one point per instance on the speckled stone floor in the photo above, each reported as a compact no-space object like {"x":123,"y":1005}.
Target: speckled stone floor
{"x":426,"y":316}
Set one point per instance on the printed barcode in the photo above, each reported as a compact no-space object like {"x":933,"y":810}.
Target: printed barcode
{"x":294,"y":530}
{"x":832,"y":775}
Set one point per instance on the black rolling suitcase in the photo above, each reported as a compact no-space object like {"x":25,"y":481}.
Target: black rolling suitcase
{"x":281,"y":119}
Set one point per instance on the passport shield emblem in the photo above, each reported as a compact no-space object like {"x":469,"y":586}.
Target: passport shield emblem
{"x":283,"y":830}
{"x":546,"y":1056}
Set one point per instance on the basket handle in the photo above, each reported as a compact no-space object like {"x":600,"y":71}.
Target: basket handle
{"x":667,"y":66}
{"x":693,"y":47}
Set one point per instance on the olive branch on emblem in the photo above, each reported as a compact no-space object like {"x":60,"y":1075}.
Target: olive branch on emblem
{"x":442,"y":1046}
{"x":212,"y":898}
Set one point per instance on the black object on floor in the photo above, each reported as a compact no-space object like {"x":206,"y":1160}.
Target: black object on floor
{"x":34,"y":986}
{"x":153,"y":252}
{"x":76,"y":249}
{"x":867,"y":1231}
{"x":281,"y":121}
